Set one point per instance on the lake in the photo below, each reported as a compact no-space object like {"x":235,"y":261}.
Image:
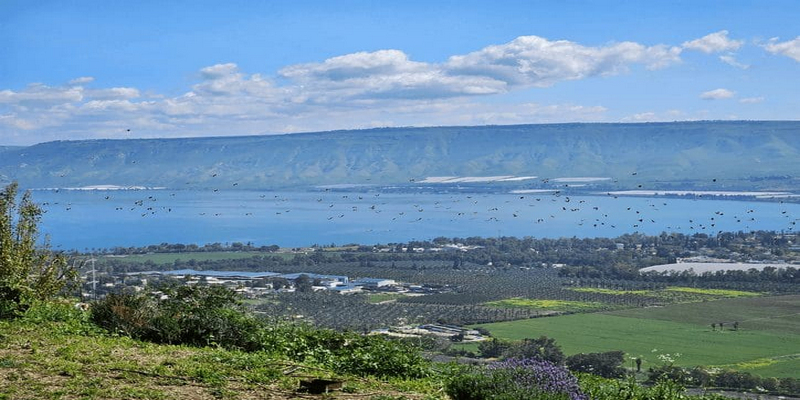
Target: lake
{"x":101,"y":219}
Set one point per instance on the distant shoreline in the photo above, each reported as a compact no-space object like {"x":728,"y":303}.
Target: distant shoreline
{"x":106,"y":187}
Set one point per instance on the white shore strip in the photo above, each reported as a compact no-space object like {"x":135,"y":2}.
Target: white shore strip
{"x":106,"y":187}
{"x":581,"y":179}
{"x":695,"y":193}
{"x":529,"y":191}
{"x":699,"y":267}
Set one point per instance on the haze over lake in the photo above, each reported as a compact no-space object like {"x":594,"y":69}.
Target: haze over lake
{"x":99,"y":219}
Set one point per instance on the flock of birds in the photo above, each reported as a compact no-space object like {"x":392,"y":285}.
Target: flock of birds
{"x":535,"y":208}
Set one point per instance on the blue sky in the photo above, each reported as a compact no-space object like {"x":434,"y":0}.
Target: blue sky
{"x":120,"y":69}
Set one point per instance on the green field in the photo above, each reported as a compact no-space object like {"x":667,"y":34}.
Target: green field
{"x":548,"y":305}
{"x":713,"y":292}
{"x":610,"y":291}
{"x":695,"y":294}
{"x":381,"y":297}
{"x":780,"y":314}
{"x":169,"y":258}
{"x":767,"y":343}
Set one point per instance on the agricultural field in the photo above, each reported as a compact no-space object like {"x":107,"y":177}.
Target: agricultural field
{"x":611,"y":291}
{"x":548,"y":305}
{"x":382,"y":297}
{"x":712,"y":292}
{"x":780,"y":314}
{"x":767,"y":342}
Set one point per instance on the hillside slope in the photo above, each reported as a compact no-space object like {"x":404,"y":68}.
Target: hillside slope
{"x":673,"y":152}
{"x":68,"y":358}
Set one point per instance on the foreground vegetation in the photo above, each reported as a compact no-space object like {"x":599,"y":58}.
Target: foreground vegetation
{"x":55,"y":351}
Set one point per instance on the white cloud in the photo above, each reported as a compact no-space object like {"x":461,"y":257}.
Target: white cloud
{"x":358,"y":90}
{"x":80,"y":81}
{"x":731,"y":60}
{"x":356,"y":65}
{"x":536,"y":61}
{"x":528,"y":61}
{"x":383,"y":74}
{"x":714,"y":43}
{"x":751,"y":100}
{"x":717,"y":94}
{"x":113,"y":93}
{"x":789,"y":48}
{"x":37,"y":93}
{"x":641,"y":117}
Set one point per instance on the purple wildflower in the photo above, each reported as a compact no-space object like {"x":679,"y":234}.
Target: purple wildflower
{"x":539,"y":376}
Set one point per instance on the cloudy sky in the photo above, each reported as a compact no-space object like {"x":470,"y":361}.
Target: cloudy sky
{"x":127,"y":69}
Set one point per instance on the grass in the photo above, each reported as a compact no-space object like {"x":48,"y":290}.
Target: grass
{"x":779,"y":314}
{"x":713,"y":292}
{"x":675,"y":293}
{"x":775,"y":366}
{"x":769,"y":330}
{"x":611,"y":291}
{"x":381,"y":297}
{"x":548,"y":305}
{"x":45,"y":359}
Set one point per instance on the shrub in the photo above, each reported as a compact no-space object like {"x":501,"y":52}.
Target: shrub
{"x":198,"y":316}
{"x":599,"y":388}
{"x":378,"y":356}
{"x":27,"y":274}
{"x":668,"y":372}
{"x":212,"y":315}
{"x":607,"y":365}
{"x":543,"y":348}
{"x":493,"y":348}
{"x":516,"y":379}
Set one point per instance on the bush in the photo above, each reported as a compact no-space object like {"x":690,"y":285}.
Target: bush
{"x":736,"y":379}
{"x":668,"y":372}
{"x":27,"y":274}
{"x":493,"y":348}
{"x":516,"y":379}
{"x":378,"y":356}
{"x":212,"y":315}
{"x":607,"y":365}
{"x":543,"y":348}
{"x":599,"y":388}
{"x":197,"y":316}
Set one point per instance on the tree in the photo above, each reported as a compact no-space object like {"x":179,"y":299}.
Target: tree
{"x":607,"y":365}
{"x":493,"y":348}
{"x":543,"y":348}
{"x":303,"y":284}
{"x":27,"y":273}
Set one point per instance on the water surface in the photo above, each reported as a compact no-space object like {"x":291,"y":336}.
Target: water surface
{"x":101,"y":219}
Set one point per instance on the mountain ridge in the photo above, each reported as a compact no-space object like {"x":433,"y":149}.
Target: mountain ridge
{"x":668,"y":152}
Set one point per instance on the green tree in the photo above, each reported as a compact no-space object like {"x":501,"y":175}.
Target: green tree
{"x":493,"y":348}
{"x":303,"y":284}
{"x":607,"y":365}
{"x":27,"y":273}
{"x":543,"y":348}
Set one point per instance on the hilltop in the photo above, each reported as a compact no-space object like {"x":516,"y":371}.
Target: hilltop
{"x":669,"y":154}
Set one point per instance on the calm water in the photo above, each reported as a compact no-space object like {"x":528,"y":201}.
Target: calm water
{"x":97,"y":219}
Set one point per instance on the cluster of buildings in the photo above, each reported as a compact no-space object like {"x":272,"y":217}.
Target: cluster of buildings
{"x":451,"y":332}
{"x":255,"y":284}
